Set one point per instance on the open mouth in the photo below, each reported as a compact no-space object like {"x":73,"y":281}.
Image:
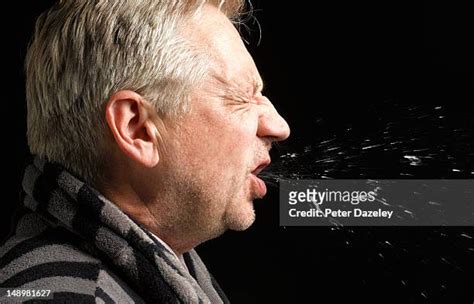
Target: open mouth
{"x":260,"y":167}
{"x":258,"y":184}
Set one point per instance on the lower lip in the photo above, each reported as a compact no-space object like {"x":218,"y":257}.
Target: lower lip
{"x":259,"y":186}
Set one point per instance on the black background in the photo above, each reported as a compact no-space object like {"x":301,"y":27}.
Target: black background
{"x":329,"y":66}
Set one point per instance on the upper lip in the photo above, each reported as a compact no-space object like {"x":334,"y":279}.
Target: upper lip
{"x":262,"y":165}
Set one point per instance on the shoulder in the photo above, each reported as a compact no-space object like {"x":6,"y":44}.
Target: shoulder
{"x":54,"y":260}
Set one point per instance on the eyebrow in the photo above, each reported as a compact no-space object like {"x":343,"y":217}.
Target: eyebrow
{"x":239,"y":94}
{"x":235,"y":92}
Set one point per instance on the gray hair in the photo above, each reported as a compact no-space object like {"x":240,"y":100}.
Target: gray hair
{"x":83,"y":51}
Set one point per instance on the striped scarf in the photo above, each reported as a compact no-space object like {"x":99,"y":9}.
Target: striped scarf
{"x":76,"y":211}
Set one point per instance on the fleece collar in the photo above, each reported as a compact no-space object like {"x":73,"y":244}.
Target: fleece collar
{"x":150,"y":269}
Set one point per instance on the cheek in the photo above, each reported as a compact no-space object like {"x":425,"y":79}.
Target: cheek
{"x":221,"y":144}
{"x":236,"y":142}
{"x":228,"y":153}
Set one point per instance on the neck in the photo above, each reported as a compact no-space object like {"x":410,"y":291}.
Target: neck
{"x":166,"y":224}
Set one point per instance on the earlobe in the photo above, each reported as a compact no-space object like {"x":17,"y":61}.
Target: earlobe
{"x":134,"y":132}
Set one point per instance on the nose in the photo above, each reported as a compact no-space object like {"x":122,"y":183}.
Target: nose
{"x":271,"y":124}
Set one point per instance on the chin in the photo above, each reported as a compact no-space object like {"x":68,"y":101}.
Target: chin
{"x":241,"y":220}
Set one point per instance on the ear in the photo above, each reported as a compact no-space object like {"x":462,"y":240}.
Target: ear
{"x":131,"y":124}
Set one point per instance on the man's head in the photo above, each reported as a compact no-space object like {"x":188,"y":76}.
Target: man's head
{"x":165,"y":114}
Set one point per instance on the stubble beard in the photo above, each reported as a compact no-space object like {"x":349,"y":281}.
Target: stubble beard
{"x":205,"y":212}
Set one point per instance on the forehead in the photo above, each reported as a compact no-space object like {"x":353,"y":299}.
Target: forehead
{"x":215,"y":34}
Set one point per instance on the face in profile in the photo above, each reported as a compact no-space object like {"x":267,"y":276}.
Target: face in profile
{"x":215,"y":151}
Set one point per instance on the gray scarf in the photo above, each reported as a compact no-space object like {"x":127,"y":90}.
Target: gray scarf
{"x":150,"y":269}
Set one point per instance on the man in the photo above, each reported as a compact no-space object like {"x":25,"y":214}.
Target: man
{"x":150,"y":128}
